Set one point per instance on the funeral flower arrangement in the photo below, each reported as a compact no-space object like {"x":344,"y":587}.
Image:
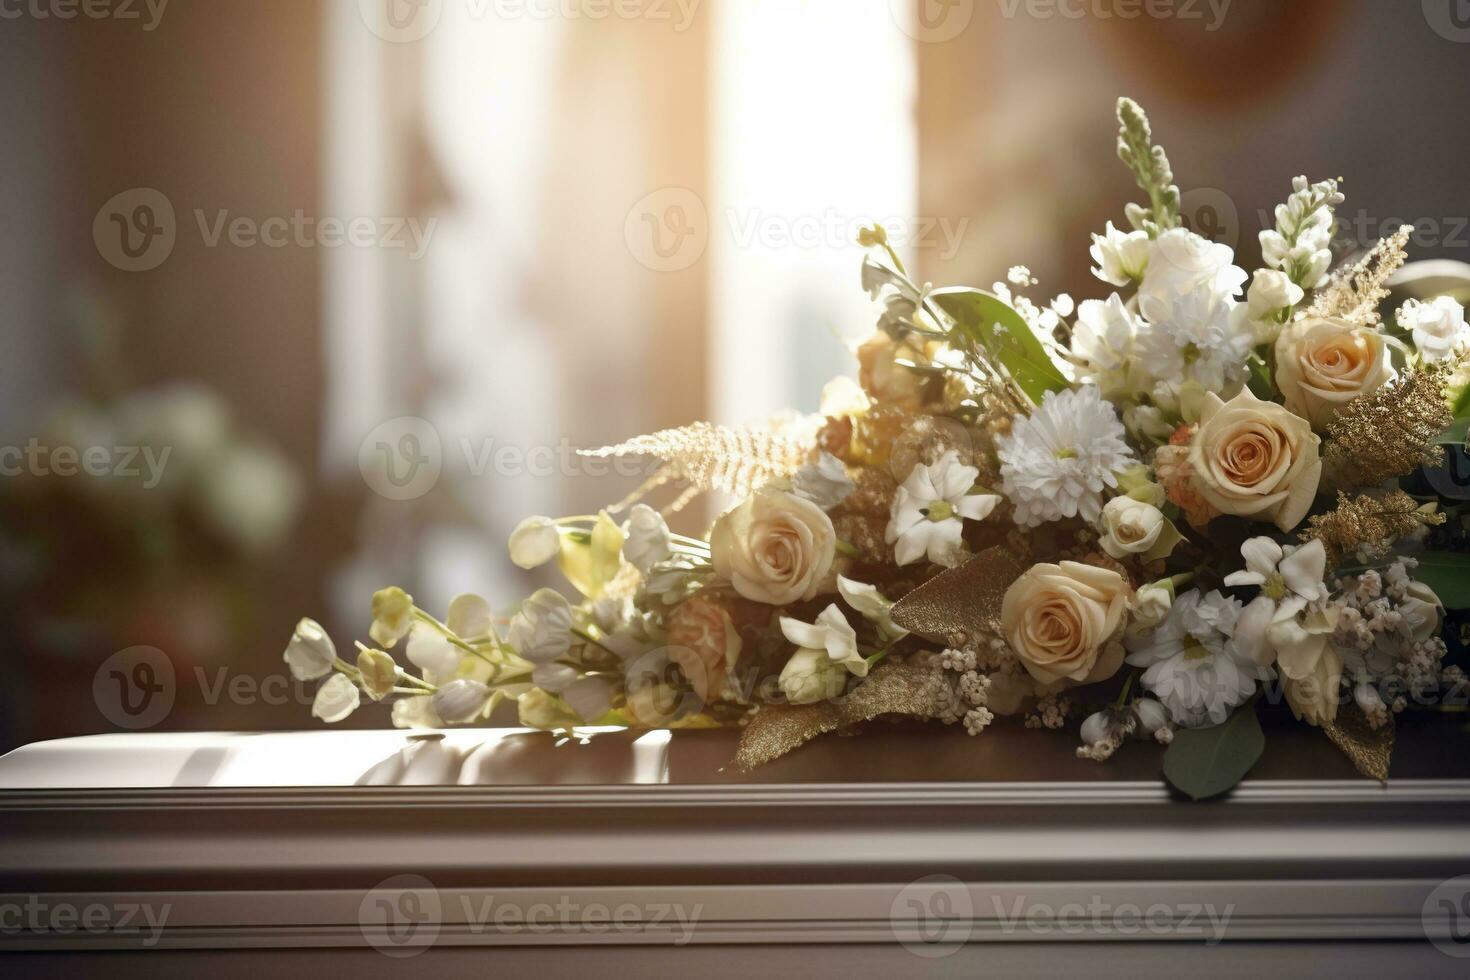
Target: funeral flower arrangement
{"x":1147,"y":515}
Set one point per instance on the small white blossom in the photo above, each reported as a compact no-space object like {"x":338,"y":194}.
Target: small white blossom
{"x":930,"y":507}
{"x":1121,"y":257}
{"x":830,"y":634}
{"x":1102,"y":345}
{"x":542,"y":630}
{"x":1191,"y":662}
{"x":646,"y":539}
{"x":872,"y":606}
{"x":461,"y":701}
{"x":824,"y":482}
{"x":1288,"y":623}
{"x":310,"y":654}
{"x":1438,"y":327}
{"x":534,"y":542}
{"x":335,"y":700}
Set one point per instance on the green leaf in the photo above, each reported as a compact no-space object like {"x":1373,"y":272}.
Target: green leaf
{"x":1448,"y":574}
{"x":1456,"y":434}
{"x":1003,"y":334}
{"x":1205,"y":762}
{"x":1260,"y":382}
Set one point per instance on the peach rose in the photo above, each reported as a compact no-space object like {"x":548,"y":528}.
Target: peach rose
{"x":1322,"y":363}
{"x":705,"y":644}
{"x":1063,"y":621}
{"x":775,"y":548}
{"x":887,"y":381}
{"x":1255,"y":459}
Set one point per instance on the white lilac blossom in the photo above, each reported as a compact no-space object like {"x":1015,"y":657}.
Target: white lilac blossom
{"x":541,"y":630}
{"x":534,"y":542}
{"x":310,"y":654}
{"x":872,"y":606}
{"x":930,"y":508}
{"x":1102,"y":345}
{"x":824,"y":481}
{"x":1121,"y":257}
{"x":831,"y":635}
{"x":646,"y":540}
{"x":1056,"y":462}
{"x":1438,"y":327}
{"x":335,"y":700}
{"x":1192,"y":664}
{"x":1289,"y":622}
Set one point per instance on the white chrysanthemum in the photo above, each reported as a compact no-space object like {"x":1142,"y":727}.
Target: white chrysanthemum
{"x":1056,"y":462}
{"x":1201,"y":336}
{"x":1192,"y":663}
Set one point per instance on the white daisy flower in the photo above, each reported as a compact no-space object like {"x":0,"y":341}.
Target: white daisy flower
{"x":1201,"y":336}
{"x":1193,"y":664}
{"x":930,"y":507}
{"x":1056,"y":462}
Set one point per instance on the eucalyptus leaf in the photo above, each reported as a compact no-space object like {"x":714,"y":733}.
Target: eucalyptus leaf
{"x":1448,"y":574}
{"x":1004,"y":334}
{"x":1205,"y":762}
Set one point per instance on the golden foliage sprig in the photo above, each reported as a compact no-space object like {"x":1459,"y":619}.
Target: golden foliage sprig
{"x":1356,"y":292}
{"x":705,"y":457}
{"x":1390,"y":431}
{"x":1367,"y":525}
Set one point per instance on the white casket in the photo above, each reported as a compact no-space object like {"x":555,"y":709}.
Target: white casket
{"x":909,"y":849}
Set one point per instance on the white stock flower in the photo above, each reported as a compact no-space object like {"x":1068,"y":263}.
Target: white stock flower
{"x":1121,"y":257}
{"x":1102,"y":343}
{"x":646,"y":538}
{"x":830,"y":634}
{"x":335,"y":700}
{"x":1289,"y":623}
{"x":461,"y":701}
{"x":541,"y":630}
{"x":1056,"y":462}
{"x":534,"y":542}
{"x":311,"y":653}
{"x":1271,"y":292}
{"x":824,"y":482}
{"x":1191,"y":663}
{"x":930,"y":507}
{"x":1438,"y":326}
{"x":872,"y":606}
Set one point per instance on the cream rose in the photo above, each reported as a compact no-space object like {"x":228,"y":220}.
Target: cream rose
{"x":775,"y":548}
{"x":1063,"y":621}
{"x":1134,"y":527}
{"x":1255,"y":459}
{"x":1322,"y":363}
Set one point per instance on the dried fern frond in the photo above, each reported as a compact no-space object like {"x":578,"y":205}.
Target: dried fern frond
{"x":1366,"y":526}
{"x":1389,"y":432}
{"x":1356,"y":292}
{"x":707,"y":457}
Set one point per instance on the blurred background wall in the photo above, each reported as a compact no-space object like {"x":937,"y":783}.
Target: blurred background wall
{"x":369,"y":270}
